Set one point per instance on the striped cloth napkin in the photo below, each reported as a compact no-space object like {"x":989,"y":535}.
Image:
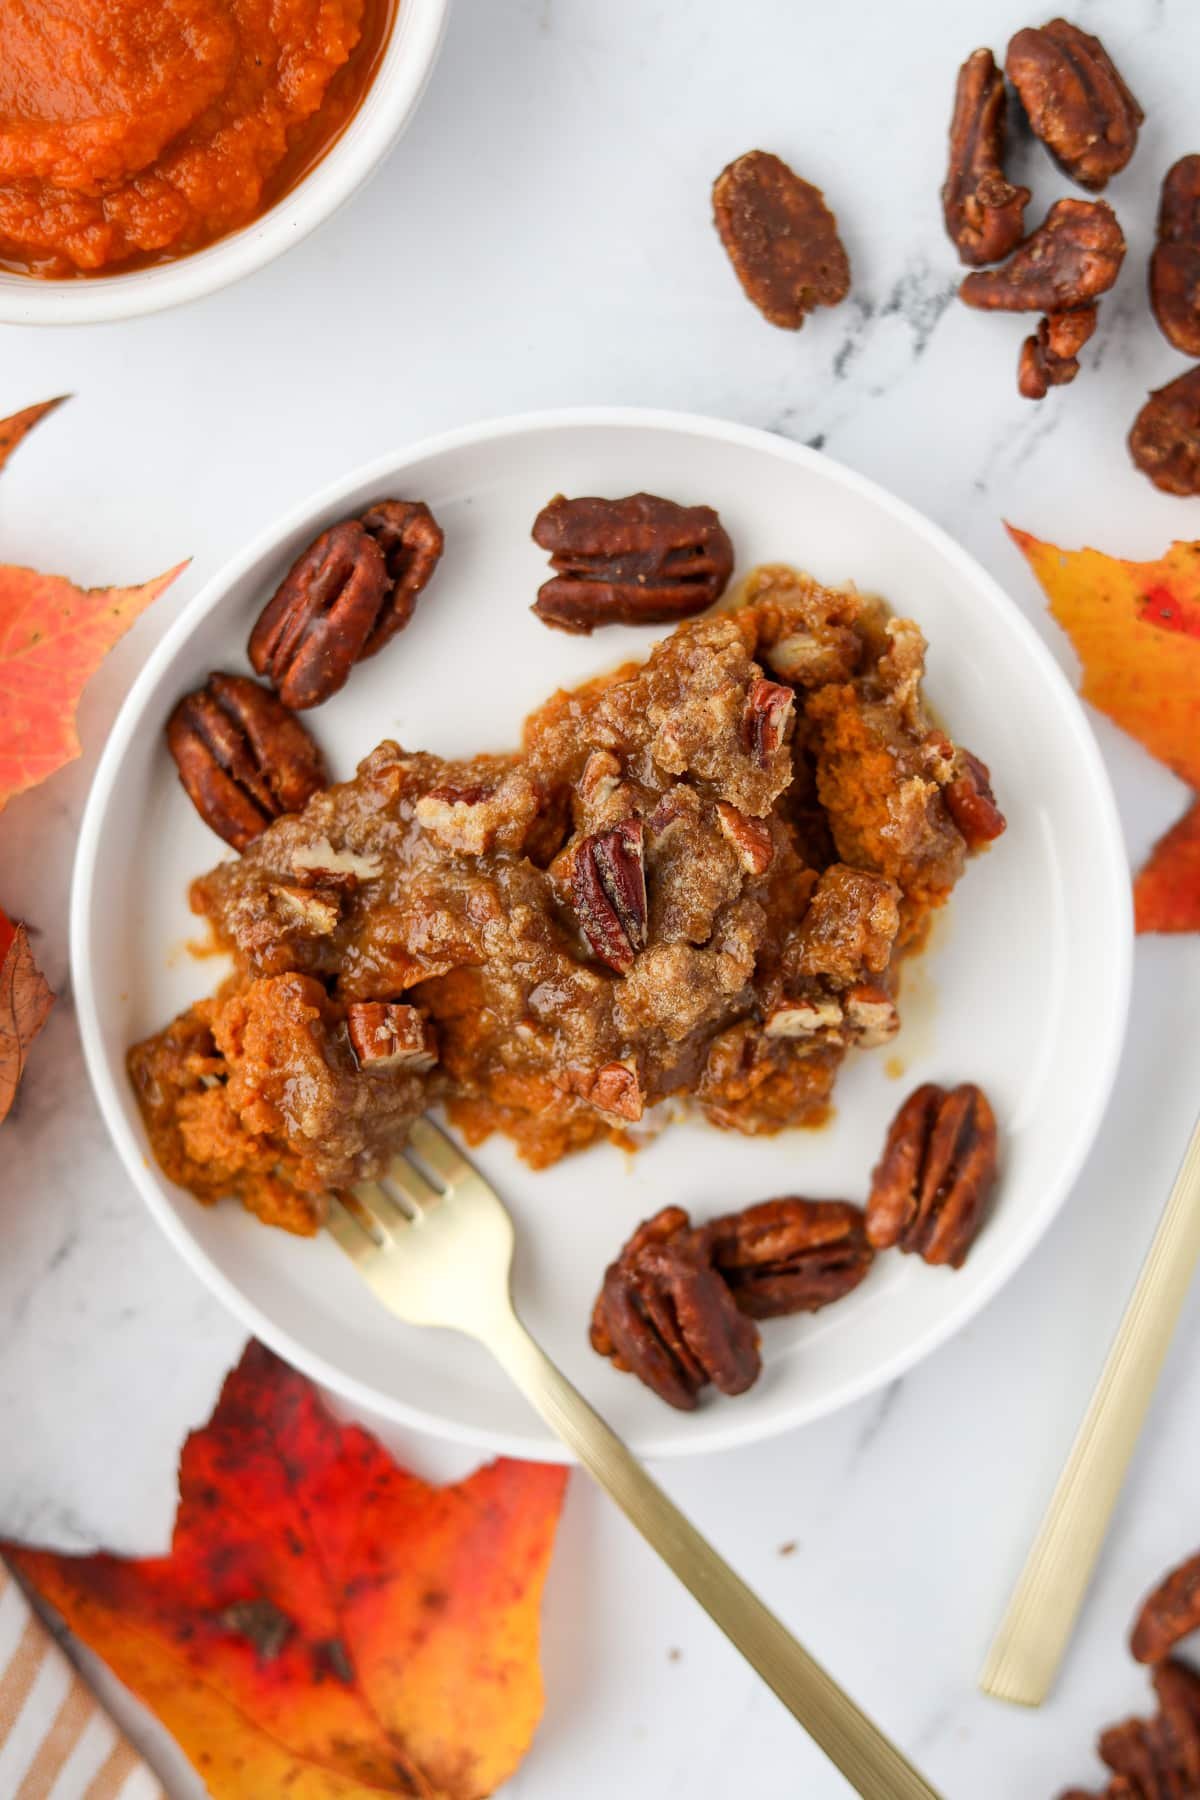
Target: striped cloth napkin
{"x":56,"y":1740}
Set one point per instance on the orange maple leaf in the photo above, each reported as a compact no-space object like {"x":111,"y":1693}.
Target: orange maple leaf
{"x":1136,"y":627}
{"x":326,"y":1625}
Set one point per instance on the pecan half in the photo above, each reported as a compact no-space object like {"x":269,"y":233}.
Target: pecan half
{"x":242,"y":757}
{"x":932,"y":1184}
{"x":1168,"y":1614}
{"x":780,"y":237}
{"x":412,"y":542}
{"x":971,"y":802}
{"x":1051,"y":357}
{"x":1175,"y":264}
{"x":637,"y":561}
{"x":312,"y":631}
{"x":385,"y":1034}
{"x":608,"y":887}
{"x":984,"y":212}
{"x":789,"y":1256}
{"x":1158,"y":1758}
{"x":666,"y":1316}
{"x":750,"y":838}
{"x":1165,"y":439}
{"x":768,"y":712}
{"x":1074,"y":255}
{"x":1075,"y":100}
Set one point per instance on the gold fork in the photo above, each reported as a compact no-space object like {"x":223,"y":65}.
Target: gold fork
{"x":434,"y":1243}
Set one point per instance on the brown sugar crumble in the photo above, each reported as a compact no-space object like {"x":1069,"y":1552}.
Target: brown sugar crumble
{"x":697,"y":879}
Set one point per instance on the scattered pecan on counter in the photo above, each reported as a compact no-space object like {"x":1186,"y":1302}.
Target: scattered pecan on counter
{"x":350,"y":592}
{"x":1074,"y":256}
{"x":1175,"y":264}
{"x":637,"y":561}
{"x":1075,"y":100}
{"x":242,"y":757}
{"x":1165,"y":439}
{"x":933,"y":1182}
{"x":1169,"y":1613}
{"x":984,"y":212}
{"x":666,"y":1316}
{"x":1051,"y":358}
{"x":1158,"y":1758}
{"x":780,"y":237}
{"x":789,"y":1256}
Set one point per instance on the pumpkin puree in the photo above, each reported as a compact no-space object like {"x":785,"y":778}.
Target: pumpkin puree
{"x":144,"y":129}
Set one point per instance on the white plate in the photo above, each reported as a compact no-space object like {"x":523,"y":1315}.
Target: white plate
{"x":1024,"y":990}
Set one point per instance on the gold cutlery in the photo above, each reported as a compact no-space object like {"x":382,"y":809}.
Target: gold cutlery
{"x":434,"y":1243}
{"x":1026,"y":1652}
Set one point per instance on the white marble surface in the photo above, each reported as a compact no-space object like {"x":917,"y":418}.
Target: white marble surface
{"x":541,"y":237}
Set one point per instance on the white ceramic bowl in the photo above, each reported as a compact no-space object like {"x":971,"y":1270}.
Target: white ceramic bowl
{"x":386,"y":108}
{"x":1024,"y":988}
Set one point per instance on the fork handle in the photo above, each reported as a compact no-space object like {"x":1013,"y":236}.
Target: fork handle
{"x":872,"y":1765}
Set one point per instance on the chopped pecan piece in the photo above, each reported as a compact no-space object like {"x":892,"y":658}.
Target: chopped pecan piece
{"x":666,"y":1316}
{"x":476,"y":817}
{"x":803,"y":1016}
{"x":313,"y":912}
{"x":780,"y":237}
{"x":1165,"y":439}
{"x":750,"y":838}
{"x":637,"y":561}
{"x":933,"y":1182}
{"x":971,"y":802}
{"x":849,"y":928}
{"x":1175,"y":264}
{"x":1076,"y":101}
{"x":385,"y":1034}
{"x":615,"y":1088}
{"x":1074,"y":255}
{"x":1168,"y":1614}
{"x":769,"y":708}
{"x":789,"y":1256}
{"x":871,"y":1015}
{"x":1051,"y":358}
{"x":312,"y":631}
{"x":984,"y":212}
{"x":412,"y":542}
{"x":608,"y":886}
{"x":320,"y":862}
{"x":242,"y":757}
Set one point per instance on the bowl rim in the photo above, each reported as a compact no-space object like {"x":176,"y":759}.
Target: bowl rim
{"x":1110,"y":865}
{"x":390,"y":101}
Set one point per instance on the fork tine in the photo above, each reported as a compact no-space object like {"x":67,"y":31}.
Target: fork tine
{"x":381,"y":1209}
{"x":348,"y":1232}
{"x":439,"y":1152}
{"x":411,"y":1184}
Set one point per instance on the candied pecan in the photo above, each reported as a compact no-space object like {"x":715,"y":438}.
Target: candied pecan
{"x":1075,"y":100}
{"x":933,"y":1181}
{"x":313,"y":630}
{"x":1165,"y":439}
{"x":608,"y":887}
{"x":751,"y":839}
{"x":1169,"y":1613}
{"x":1175,"y":264}
{"x":615,"y":1088}
{"x":780,"y":237}
{"x":1051,"y":358}
{"x":984,"y":212}
{"x":791,"y":1255}
{"x":769,"y":708}
{"x":637,"y":561}
{"x":385,"y":1034}
{"x":242,"y":757}
{"x":666,"y":1316}
{"x":1074,"y":255}
{"x":412,"y":542}
{"x":1158,"y":1758}
{"x":971,"y":802}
